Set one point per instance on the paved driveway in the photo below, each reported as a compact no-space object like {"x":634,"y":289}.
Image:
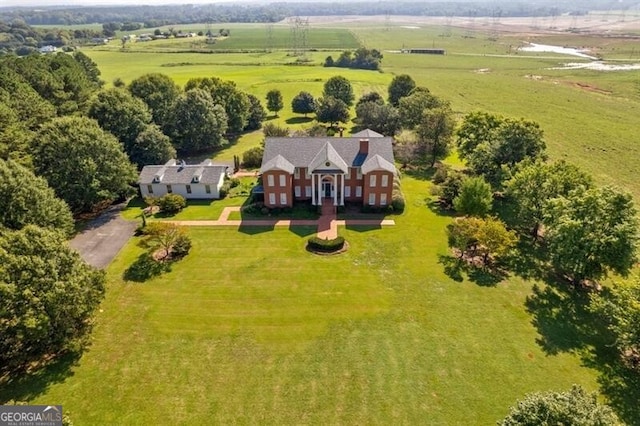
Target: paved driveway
{"x":103,"y":237}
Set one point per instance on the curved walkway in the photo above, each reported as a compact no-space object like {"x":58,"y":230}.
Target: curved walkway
{"x":327,"y":223}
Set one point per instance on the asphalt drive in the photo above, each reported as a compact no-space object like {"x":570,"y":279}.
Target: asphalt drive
{"x":103,"y":237}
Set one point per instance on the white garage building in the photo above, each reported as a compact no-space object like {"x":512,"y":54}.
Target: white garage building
{"x":192,"y":181}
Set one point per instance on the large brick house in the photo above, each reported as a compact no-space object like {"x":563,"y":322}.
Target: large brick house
{"x":337,"y":170}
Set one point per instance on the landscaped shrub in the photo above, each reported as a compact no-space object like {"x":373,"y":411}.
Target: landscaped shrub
{"x":172,"y":203}
{"x":233,"y":182}
{"x":181,"y":246}
{"x":397,"y":202}
{"x":144,"y":268}
{"x":252,"y":158}
{"x":325,"y":246}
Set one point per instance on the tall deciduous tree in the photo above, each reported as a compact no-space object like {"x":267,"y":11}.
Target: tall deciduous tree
{"x":475,"y":197}
{"x":340,"y":88}
{"x":412,"y":107}
{"x":532,"y":187}
{"x":257,"y":114}
{"x":494,"y":145}
{"x":121,"y":114}
{"x":476,"y":128}
{"x":371,"y":97}
{"x":331,"y":110}
{"x":196,"y":123}
{"x":573,"y":407}
{"x":236,"y":104}
{"x":383,"y":119}
{"x":619,"y":308}
{"x":591,"y":232}
{"x":151,"y":147}
{"x":303,"y":103}
{"x":435,"y":132}
{"x":487,"y":238}
{"x":48,"y":296}
{"x":400,"y":86}
{"x":158,"y":91}
{"x":82,"y":163}
{"x":27,"y":199}
{"x":274,"y":101}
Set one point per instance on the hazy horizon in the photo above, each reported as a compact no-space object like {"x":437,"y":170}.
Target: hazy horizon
{"x":62,"y":3}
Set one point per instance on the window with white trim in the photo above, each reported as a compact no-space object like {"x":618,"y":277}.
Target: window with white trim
{"x":307,"y":172}
{"x":283,"y":198}
{"x":372,"y":199}
{"x":358,"y":191}
{"x":307,"y":191}
{"x":383,"y":199}
{"x":188,"y":189}
{"x":359,"y":174}
{"x":347,"y":191}
{"x":207,"y":189}
{"x":372,"y":180}
{"x":270,"y":180}
{"x":272,"y":199}
{"x":384,"y":180}
{"x":348,"y":173}
{"x":283,"y":180}
{"x":169,"y":189}
{"x":296,"y":173}
{"x":297,"y":191}
{"x":150,"y":189}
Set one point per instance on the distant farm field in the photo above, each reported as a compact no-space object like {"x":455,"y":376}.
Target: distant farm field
{"x":589,"y":117}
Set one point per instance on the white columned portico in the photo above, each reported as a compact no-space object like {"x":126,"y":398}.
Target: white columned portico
{"x":320,"y":189}
{"x":313,"y":190}
{"x":342,"y":190}
{"x":335,"y":190}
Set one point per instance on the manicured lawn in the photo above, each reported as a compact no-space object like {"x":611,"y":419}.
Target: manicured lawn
{"x":251,"y":328}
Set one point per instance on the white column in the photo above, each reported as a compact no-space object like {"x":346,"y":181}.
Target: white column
{"x":319,"y":189}
{"x":342,"y":191}
{"x":313,"y":190}
{"x":335,"y":190}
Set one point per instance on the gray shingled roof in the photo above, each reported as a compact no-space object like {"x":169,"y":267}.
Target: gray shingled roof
{"x":182,"y":174}
{"x":300,"y":152}
{"x":367,"y":133}
{"x":377,"y":163}
{"x":328,"y":154}
{"x":279,"y":163}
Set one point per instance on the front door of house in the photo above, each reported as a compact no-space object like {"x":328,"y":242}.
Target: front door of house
{"x":326,"y":189}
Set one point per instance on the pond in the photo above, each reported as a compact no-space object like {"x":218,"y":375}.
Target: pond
{"x":533,"y":47}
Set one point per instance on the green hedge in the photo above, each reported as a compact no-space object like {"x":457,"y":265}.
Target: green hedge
{"x":325,"y":246}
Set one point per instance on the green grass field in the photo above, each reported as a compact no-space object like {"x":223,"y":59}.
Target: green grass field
{"x":250,"y":328}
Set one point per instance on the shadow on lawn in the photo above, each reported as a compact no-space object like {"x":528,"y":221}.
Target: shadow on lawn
{"x":562,"y":317}
{"x":454,"y":267}
{"x":21,"y":386}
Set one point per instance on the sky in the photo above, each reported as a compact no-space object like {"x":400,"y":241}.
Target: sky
{"x":30,"y":3}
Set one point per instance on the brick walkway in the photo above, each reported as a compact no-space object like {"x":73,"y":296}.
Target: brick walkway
{"x":327,"y":223}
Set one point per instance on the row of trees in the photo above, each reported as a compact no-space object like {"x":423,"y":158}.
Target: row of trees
{"x":361,"y":58}
{"x":587,"y":230}
{"x":153,"y":16}
{"x":48,"y":293}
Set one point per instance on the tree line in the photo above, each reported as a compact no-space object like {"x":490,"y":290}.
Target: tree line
{"x":153,"y":16}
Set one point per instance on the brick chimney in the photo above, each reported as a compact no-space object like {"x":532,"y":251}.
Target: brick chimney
{"x":364,"y":146}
